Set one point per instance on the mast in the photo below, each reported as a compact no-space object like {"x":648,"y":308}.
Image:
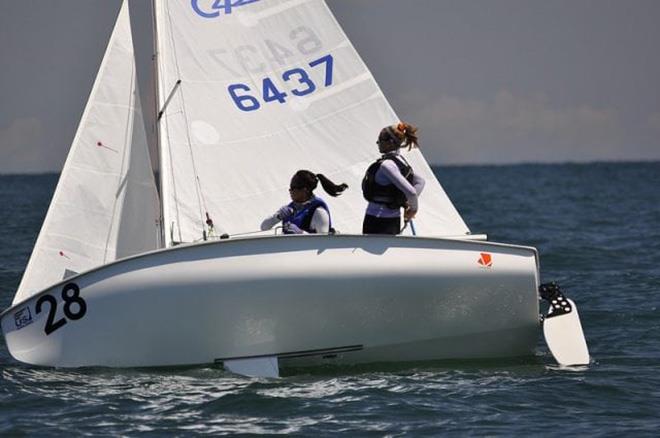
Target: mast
{"x":147,"y":53}
{"x":159,"y":152}
{"x":164,"y":162}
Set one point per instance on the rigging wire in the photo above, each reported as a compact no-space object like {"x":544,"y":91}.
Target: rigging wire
{"x":172,"y":181}
{"x":198,"y":188}
{"x":174,"y":186}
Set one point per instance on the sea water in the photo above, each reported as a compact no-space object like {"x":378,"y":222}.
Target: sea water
{"x":597,"y":227}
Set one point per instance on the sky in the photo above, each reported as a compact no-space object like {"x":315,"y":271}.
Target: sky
{"x":486,"y":81}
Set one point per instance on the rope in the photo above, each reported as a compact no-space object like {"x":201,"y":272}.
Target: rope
{"x":412,"y":227}
{"x":198,"y":188}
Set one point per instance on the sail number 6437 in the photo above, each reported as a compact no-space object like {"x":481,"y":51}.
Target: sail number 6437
{"x":303,"y":85}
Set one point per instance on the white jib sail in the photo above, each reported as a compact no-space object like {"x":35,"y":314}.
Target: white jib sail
{"x":268,"y":87}
{"x":105,"y":206}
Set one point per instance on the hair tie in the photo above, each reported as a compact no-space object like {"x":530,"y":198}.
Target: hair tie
{"x":401,"y":127}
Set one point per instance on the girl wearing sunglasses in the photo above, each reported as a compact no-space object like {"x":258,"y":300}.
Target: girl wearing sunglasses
{"x":390,"y":183}
{"x":306,"y":213}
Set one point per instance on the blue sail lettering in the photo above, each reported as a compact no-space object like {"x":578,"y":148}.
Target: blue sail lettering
{"x":218,"y":7}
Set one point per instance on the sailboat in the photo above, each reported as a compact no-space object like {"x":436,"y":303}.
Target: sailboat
{"x":137,"y":266}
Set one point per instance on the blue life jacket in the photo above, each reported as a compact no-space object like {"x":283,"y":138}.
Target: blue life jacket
{"x":302,"y":217}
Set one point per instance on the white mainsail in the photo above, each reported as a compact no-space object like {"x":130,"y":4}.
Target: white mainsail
{"x":268,"y":87}
{"x":105,"y":206}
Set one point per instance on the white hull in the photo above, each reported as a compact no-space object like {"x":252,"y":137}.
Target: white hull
{"x":306,"y":299}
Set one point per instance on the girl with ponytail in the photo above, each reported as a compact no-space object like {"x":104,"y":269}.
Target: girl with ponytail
{"x":306,"y":213}
{"x":390,"y":183}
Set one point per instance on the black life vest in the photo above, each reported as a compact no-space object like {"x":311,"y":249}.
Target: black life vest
{"x":389,"y":194}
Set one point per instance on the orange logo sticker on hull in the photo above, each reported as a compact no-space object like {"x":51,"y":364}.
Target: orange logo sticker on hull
{"x":486,"y":260}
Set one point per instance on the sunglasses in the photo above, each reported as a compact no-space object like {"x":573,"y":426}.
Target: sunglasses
{"x":385,"y":139}
{"x":292,"y":188}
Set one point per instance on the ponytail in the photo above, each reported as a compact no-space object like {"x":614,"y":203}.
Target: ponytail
{"x":305,"y":178}
{"x":408,"y":135}
{"x":331,"y":188}
{"x":397,"y":136}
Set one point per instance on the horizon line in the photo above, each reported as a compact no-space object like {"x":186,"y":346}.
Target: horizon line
{"x":433,"y":165}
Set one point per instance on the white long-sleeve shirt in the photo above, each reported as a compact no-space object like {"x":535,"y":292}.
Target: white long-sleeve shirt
{"x":388,"y":173}
{"x":320,"y":221}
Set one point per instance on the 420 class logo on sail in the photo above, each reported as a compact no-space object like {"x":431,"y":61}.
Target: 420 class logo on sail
{"x":217,"y":6}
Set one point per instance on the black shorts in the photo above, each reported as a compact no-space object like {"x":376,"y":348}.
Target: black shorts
{"x":381,"y":225}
